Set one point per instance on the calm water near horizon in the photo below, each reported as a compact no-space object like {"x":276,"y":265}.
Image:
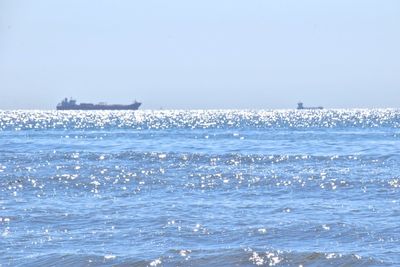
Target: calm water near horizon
{"x":200,"y":188}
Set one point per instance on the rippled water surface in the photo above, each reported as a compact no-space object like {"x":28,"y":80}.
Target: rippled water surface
{"x":200,"y":188}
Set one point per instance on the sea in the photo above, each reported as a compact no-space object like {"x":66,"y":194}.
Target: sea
{"x":200,"y":188}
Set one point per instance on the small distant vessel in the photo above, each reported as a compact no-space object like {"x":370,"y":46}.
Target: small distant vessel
{"x":301,"y":106}
{"x":70,"y":104}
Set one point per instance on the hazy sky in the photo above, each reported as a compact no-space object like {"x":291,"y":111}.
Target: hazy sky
{"x":200,"y":54}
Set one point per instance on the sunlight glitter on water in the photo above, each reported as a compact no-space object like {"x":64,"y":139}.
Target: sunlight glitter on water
{"x":198,"y":119}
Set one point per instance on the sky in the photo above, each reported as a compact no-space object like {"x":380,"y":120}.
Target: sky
{"x":200,"y":54}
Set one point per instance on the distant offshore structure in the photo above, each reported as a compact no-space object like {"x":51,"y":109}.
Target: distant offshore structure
{"x":301,"y":106}
{"x":70,"y":104}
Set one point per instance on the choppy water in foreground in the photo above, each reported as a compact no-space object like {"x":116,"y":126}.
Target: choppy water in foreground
{"x":200,"y":188}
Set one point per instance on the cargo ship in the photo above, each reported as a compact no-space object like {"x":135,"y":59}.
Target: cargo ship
{"x":70,"y":104}
{"x":301,"y":106}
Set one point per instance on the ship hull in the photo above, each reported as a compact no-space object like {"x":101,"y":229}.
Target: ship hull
{"x":100,"y":107}
{"x":310,"y":108}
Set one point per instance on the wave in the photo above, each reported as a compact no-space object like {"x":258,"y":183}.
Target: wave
{"x":137,"y":171}
{"x":224,"y":257}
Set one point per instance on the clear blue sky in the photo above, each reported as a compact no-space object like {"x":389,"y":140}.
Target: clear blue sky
{"x":200,"y":54}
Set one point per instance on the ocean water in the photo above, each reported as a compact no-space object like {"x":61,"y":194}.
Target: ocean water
{"x":200,"y":188}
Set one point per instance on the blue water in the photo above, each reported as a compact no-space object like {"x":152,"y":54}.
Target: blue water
{"x":200,"y":188}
